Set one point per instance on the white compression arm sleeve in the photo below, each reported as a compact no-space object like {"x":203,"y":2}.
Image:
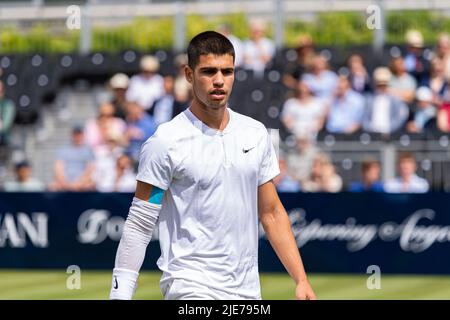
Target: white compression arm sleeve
{"x":136,"y":235}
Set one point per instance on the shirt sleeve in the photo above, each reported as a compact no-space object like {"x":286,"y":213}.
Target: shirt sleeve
{"x":269,"y":167}
{"x":155,"y":166}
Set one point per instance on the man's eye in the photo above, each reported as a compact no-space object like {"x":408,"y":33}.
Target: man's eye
{"x":209,"y":72}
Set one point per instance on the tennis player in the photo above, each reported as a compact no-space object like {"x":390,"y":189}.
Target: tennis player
{"x":204,"y":178}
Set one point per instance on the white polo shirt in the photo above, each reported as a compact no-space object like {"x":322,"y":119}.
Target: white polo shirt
{"x":208,"y":224}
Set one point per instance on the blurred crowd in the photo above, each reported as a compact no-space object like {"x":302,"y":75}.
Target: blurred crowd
{"x":410,"y":94}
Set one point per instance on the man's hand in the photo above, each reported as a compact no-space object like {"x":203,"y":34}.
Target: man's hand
{"x":303,"y":291}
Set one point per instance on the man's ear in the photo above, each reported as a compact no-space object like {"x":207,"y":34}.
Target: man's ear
{"x":189,"y":74}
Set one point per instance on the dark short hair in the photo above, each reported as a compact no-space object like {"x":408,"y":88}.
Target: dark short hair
{"x":409,"y":156}
{"x":208,"y":42}
{"x":22,"y":164}
{"x":369,"y":163}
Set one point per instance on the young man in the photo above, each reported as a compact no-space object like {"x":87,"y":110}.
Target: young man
{"x":205,"y":175}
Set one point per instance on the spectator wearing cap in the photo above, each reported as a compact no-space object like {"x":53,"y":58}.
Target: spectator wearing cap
{"x":384,"y":113}
{"x":147,"y":86}
{"x":119,"y":85}
{"x":346,"y":109}
{"x":74,"y":165}
{"x":423,"y":112}
{"x":358,"y":76}
{"x":258,"y":49}
{"x":24,"y":182}
{"x":402,"y":84}
{"x":320,"y":79}
{"x":415,"y":62}
{"x":225,"y":29}
{"x":407,"y":181}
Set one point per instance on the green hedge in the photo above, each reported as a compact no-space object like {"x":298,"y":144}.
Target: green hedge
{"x":338,"y":29}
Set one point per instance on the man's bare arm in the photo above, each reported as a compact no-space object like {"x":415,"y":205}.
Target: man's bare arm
{"x":277,"y":226}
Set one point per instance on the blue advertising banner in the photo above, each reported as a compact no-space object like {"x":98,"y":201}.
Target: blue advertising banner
{"x":345,"y":232}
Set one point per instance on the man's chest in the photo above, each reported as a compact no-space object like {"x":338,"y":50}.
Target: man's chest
{"x":209,"y":159}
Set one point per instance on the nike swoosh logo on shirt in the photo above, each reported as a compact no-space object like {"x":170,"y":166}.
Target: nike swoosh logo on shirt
{"x":116,"y":285}
{"x":246,"y":150}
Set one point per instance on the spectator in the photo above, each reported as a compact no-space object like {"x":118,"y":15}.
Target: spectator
{"x":304,"y":112}
{"x":258,"y":50}
{"x":423,"y":112}
{"x":370,"y":178}
{"x":358,"y":75}
{"x":323,"y":177}
{"x":384,"y":113}
{"x":300,"y":159}
{"x":415,"y":62}
{"x":119,"y":85}
{"x":225,"y":29}
{"x":408,"y":181}
{"x":284,"y":182}
{"x":443,"y":117}
{"x":347,"y":109}
{"x":140,"y":126}
{"x":182,"y":88}
{"x":24,"y":180}
{"x":437,"y":82}
{"x":305,"y":53}
{"x":7,"y":116}
{"x":146,"y":87}
{"x":121,"y":179}
{"x":171,"y":103}
{"x":74,"y":165}
{"x":442,"y":52}
{"x":402,"y":84}
{"x":105,"y":129}
{"x":320,"y":79}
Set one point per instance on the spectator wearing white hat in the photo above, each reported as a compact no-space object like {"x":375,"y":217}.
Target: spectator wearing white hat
{"x":147,"y":86}
{"x":423,"y":112}
{"x":384,"y":112}
{"x":119,"y":85}
{"x":415,"y":62}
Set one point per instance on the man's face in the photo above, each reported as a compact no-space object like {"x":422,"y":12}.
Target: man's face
{"x":212,"y":80}
{"x":78,"y":138}
{"x":23,"y":173}
{"x":407,"y":167}
{"x":372,"y":174}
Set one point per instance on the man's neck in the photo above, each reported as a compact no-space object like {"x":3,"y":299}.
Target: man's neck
{"x":213,"y":118}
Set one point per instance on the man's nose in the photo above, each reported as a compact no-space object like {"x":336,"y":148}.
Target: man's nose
{"x":218,"y":80}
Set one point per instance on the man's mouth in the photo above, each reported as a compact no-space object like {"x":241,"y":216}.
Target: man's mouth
{"x":217,"y":94}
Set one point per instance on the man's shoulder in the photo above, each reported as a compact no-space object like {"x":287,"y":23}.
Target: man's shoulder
{"x":248,"y":122}
{"x":172,"y":130}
